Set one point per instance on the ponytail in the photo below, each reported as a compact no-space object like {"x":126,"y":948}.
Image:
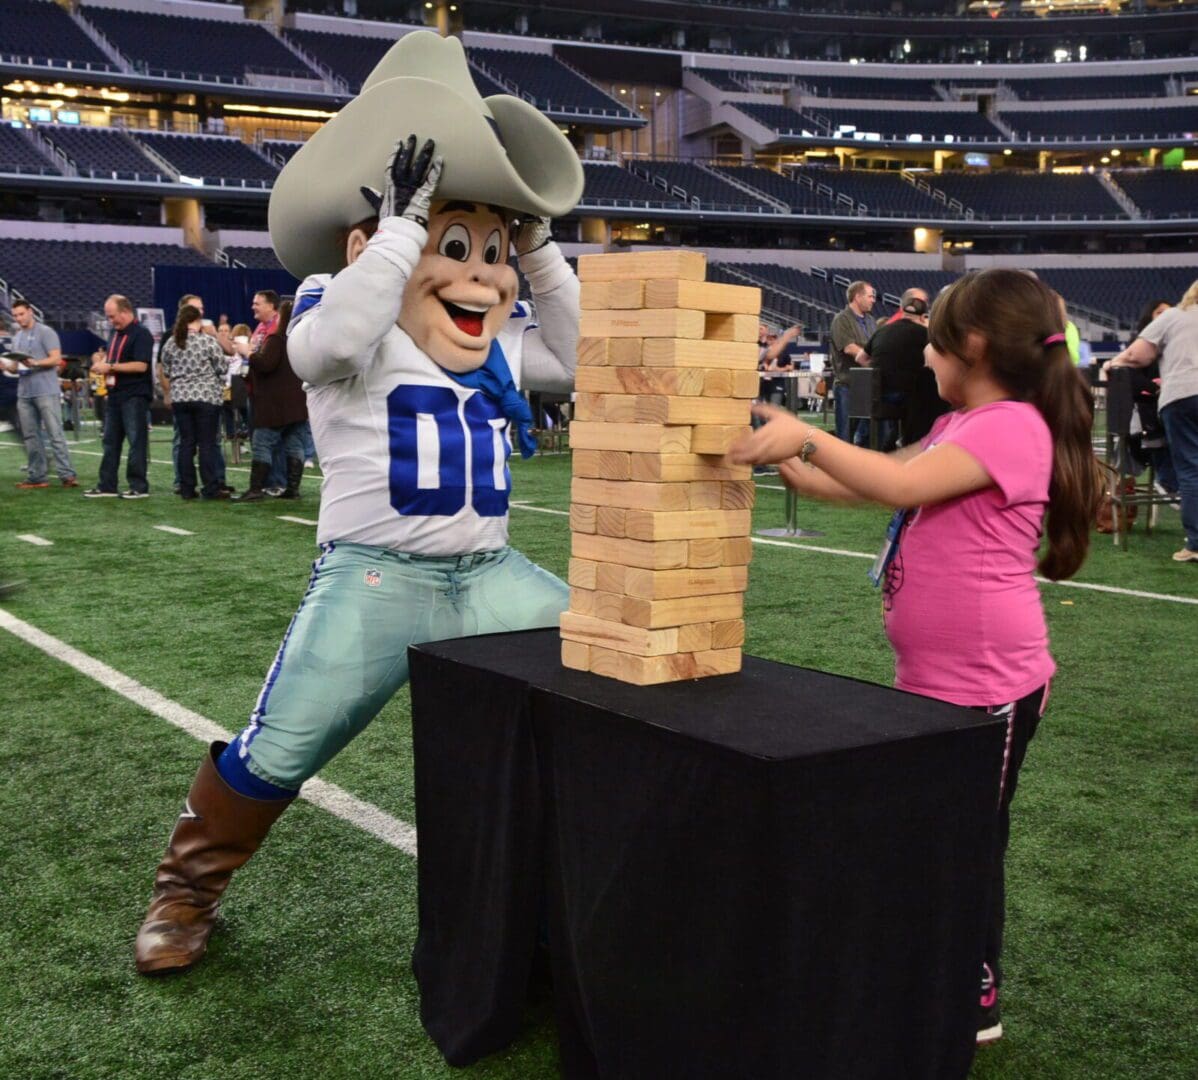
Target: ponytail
{"x":187,"y":315}
{"x":1064,"y":400}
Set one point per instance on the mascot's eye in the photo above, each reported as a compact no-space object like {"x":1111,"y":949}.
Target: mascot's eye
{"x":455,"y":244}
{"x":491,"y":248}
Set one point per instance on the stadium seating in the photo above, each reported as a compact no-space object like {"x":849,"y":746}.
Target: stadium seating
{"x":1080,"y":88}
{"x":884,"y":194}
{"x":256,"y":258}
{"x":32,"y":31}
{"x":899,"y":124}
{"x":700,"y":188}
{"x":177,"y":46}
{"x":869,"y":87}
{"x":280,"y":151}
{"x":1107,"y":125}
{"x":214,"y":159}
{"x":800,"y":198}
{"x":350,"y":56}
{"x":1122,"y":292}
{"x":610,"y":185}
{"x":1004,"y":196}
{"x":69,"y":279}
{"x":103,"y":152}
{"x":19,"y":155}
{"x":552,"y":85}
{"x":1161,"y":194}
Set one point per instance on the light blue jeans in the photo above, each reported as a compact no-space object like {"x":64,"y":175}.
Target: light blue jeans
{"x":345,"y":654}
{"x":46,"y":408}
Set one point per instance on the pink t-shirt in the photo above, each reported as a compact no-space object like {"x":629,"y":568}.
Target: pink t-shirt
{"x":965,"y":617}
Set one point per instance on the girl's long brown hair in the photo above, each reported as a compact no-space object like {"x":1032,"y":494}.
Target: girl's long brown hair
{"x":187,"y":315}
{"x":1015,"y":313}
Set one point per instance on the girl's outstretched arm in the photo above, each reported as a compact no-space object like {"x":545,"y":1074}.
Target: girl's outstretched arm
{"x":940,"y":473}
{"x":819,"y":485}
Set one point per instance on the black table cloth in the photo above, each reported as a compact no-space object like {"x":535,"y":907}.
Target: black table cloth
{"x":778,"y":873}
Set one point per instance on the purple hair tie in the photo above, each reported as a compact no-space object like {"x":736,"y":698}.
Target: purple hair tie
{"x":1053,"y":339}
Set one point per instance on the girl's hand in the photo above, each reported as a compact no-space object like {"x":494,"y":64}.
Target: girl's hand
{"x":779,"y":438}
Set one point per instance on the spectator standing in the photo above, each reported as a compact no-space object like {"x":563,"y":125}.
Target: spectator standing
{"x":39,"y":398}
{"x":897,"y":351}
{"x":130,"y":389}
{"x":226,"y":347}
{"x":192,"y":367}
{"x":772,"y":356}
{"x":850,"y":332}
{"x":280,"y":412}
{"x":1173,"y":338}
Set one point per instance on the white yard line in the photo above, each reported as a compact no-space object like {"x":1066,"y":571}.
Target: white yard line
{"x":173,"y":531}
{"x":295,"y":520}
{"x":37,"y":541}
{"x":330,"y":797}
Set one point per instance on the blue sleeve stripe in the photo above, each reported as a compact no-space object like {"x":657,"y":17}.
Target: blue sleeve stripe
{"x":306,"y":302}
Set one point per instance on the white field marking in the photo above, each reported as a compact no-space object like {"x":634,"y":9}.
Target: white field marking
{"x":1114,"y":589}
{"x":315,"y":473}
{"x":335,"y":800}
{"x":295,"y":520}
{"x":173,"y":531}
{"x":38,"y":541}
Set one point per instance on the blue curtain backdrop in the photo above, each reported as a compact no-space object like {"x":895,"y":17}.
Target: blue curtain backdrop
{"x":224,"y":289}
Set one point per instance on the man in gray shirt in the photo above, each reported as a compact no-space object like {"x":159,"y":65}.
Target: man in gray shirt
{"x":39,"y":398}
{"x":851,"y":330}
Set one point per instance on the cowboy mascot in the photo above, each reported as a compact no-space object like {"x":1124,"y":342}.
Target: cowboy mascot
{"x":412,"y":345}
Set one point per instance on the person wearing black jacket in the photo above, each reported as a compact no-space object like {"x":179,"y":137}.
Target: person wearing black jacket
{"x":280,"y":409}
{"x":126,"y":373}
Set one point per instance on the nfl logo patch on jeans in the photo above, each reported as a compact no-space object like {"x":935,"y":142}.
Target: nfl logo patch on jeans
{"x":374,"y":577}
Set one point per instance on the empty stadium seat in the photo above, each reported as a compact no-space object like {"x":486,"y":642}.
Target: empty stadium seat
{"x":1160,"y":193}
{"x":700,"y":188}
{"x":41,"y":33}
{"x":1107,"y":125}
{"x":214,"y":159}
{"x":103,"y":152}
{"x":18,"y":154}
{"x":552,"y":85}
{"x":349,"y":56}
{"x":610,"y":185}
{"x":1004,"y":196}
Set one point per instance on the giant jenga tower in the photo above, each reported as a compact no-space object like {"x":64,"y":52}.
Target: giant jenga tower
{"x":667,"y":370}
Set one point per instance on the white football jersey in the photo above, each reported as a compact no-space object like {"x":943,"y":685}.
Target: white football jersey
{"x":413,"y":461}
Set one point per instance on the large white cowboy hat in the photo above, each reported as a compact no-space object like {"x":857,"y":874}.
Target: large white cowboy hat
{"x":500,"y":150}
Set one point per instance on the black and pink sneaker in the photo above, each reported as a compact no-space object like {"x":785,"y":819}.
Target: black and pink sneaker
{"x":989,"y":1024}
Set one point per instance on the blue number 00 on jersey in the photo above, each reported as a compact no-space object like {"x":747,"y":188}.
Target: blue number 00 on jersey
{"x":437,"y":444}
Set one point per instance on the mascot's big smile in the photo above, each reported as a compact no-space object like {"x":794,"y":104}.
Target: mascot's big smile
{"x":466,"y":317}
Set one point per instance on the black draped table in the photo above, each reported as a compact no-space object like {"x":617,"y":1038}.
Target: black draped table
{"x":779,"y":873}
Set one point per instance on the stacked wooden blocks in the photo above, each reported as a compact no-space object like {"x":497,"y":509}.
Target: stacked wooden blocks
{"x":667,"y":370}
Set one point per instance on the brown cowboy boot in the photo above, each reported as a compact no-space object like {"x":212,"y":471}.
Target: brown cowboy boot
{"x":217,"y":832}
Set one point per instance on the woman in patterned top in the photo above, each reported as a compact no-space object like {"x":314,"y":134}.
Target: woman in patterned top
{"x":193,"y":370}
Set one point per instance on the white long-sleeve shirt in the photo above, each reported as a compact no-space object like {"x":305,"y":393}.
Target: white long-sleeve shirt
{"x":413,"y":461}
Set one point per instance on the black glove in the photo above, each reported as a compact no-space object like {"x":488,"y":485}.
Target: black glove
{"x":411,"y":180}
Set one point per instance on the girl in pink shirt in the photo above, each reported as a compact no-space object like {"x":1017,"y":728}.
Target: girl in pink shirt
{"x":962,"y":609}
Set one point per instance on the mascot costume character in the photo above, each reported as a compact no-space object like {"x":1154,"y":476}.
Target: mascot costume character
{"x":411,"y":343}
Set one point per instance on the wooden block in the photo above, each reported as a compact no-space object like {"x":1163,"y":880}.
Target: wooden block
{"x":691,"y":410}
{"x":673,"y":352}
{"x":610,"y":577}
{"x":707,"y":495}
{"x":744,"y":384}
{"x":688,"y":265}
{"x":738,"y":551}
{"x":611,"y":520}
{"x":597,"y":604}
{"x":614,"y":635}
{"x":686,"y":524}
{"x":638,"y":438}
{"x":582,"y":601}
{"x":713,"y":438}
{"x":728,"y":634}
{"x":610,"y":408}
{"x":671,"y":584}
{"x":601,"y":295}
{"x":665,"y":555}
{"x":653,"y":670}
{"x":729,"y":551}
{"x":583,"y":574}
{"x":681,"y":382}
{"x":661,"y":323}
{"x":658,"y":614}
{"x":576,"y":655}
{"x":631,"y":495}
{"x":605,"y":662}
{"x":669,"y":468}
{"x":703,"y":295}
{"x":731,"y":328}
{"x":582,"y":518}
{"x":603,"y":464}
{"x":609,"y":352}
{"x":694,"y":637}
{"x":738,"y":495}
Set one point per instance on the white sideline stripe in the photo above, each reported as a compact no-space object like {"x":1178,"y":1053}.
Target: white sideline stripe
{"x":38,"y":541}
{"x":297,"y":521}
{"x":330,"y":797}
{"x":173,"y":531}
{"x":1114,"y":589}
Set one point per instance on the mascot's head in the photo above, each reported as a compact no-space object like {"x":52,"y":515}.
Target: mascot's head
{"x":503,"y":159}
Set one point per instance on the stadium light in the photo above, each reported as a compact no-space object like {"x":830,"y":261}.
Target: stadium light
{"x":1007,"y":152}
{"x":1116,"y":152}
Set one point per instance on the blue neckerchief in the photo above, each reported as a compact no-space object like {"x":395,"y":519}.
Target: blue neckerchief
{"x":495,"y":380}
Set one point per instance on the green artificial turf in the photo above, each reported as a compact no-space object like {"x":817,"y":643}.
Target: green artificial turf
{"x":308,"y":973}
